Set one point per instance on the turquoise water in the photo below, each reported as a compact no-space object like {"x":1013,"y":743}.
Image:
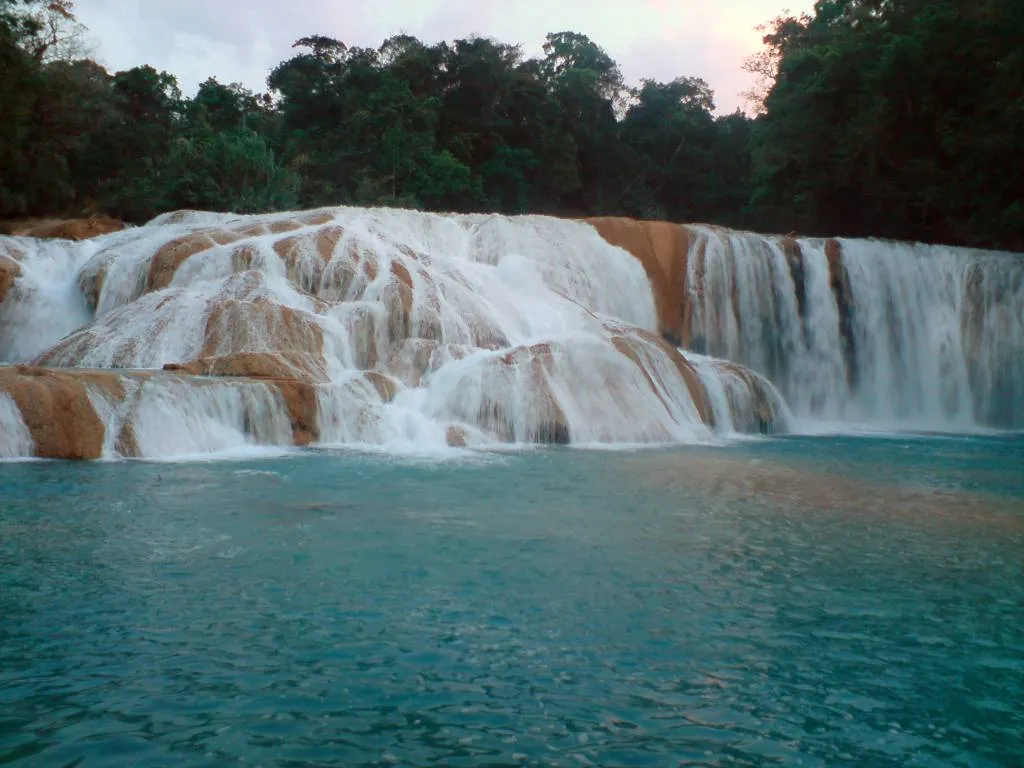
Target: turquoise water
{"x":806,"y":601}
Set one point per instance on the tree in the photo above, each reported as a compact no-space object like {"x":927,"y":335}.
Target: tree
{"x":896,"y":118}
{"x":588,"y":87}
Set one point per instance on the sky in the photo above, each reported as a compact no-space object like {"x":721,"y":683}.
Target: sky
{"x":242,"y":40}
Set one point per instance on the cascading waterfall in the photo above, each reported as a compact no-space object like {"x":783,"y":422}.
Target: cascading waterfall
{"x":15,"y":439}
{"x":871,"y":332}
{"x":45,"y":303}
{"x":206,"y":333}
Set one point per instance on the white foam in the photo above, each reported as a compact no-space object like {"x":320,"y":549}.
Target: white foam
{"x":503,"y":331}
{"x":15,"y":439}
{"x":937,"y":332}
{"x":45,"y":303}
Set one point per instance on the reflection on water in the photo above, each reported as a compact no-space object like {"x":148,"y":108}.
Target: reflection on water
{"x":821,"y":601}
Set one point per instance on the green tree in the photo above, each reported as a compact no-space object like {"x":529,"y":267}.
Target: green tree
{"x":899,"y":118}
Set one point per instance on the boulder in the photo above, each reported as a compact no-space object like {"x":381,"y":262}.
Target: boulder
{"x":754,"y":404}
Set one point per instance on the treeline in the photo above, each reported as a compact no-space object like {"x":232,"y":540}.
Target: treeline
{"x":895,"y":118}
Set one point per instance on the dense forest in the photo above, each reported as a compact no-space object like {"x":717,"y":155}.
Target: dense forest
{"x":894,"y":118}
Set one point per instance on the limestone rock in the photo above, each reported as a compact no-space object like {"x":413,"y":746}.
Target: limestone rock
{"x":754,"y":404}
{"x":301,"y":401}
{"x":66,"y":229}
{"x":257,"y":365}
{"x":169,"y":257}
{"x":56,"y":408}
{"x":662,"y":248}
{"x":260,"y":326}
{"x":626,"y":343}
{"x":10,"y":271}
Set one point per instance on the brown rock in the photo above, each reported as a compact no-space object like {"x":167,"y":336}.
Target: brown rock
{"x":10,"y":271}
{"x":269,"y":227}
{"x":68,"y":229}
{"x":127,"y":443}
{"x":260,"y":326}
{"x":177,"y":217}
{"x":308,"y":273}
{"x":412,"y":359}
{"x":90,"y":284}
{"x":55,"y":407}
{"x":386,"y":386}
{"x":257,"y":365}
{"x":529,"y":367}
{"x":165,"y":262}
{"x":63,"y":423}
{"x":839,"y":281}
{"x":626,"y":344}
{"x":795,"y":261}
{"x":303,"y":411}
{"x":315,"y":218}
{"x":456,"y":436}
{"x":752,"y":406}
{"x":662,"y":248}
{"x":398,"y":298}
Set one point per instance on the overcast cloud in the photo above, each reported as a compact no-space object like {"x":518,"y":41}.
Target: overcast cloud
{"x":242,"y":40}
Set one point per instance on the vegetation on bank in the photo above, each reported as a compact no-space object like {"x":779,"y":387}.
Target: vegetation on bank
{"x":894,"y":118}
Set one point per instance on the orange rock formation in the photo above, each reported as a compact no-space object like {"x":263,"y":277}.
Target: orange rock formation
{"x":64,"y":229}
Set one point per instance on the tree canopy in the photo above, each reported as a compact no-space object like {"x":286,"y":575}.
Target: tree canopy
{"x":895,"y":118}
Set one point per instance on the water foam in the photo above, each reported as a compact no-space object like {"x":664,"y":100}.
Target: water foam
{"x":895,"y":335}
{"x":425,"y":333}
{"x":15,"y":439}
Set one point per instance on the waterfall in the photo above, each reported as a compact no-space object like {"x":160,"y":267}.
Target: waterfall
{"x":15,"y":439}
{"x":210,"y":333}
{"x":44,"y":304}
{"x":897,"y":335}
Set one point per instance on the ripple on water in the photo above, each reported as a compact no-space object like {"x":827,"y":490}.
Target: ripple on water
{"x":686,"y":607}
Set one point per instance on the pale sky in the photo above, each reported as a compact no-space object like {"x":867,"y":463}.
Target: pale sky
{"x":242,"y":40}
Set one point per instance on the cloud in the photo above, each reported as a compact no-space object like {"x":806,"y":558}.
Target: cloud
{"x":242,"y":40}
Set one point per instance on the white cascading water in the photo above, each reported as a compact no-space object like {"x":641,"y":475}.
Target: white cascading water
{"x":171,"y":417}
{"x":15,"y":439}
{"x":45,"y":303}
{"x":475,"y":330}
{"x":915,"y":336}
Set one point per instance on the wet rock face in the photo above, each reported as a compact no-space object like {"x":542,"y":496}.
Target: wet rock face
{"x":68,"y":412}
{"x":346,"y":325}
{"x":662,"y":248}
{"x":257,"y":365}
{"x":56,"y":408}
{"x":754,"y":406}
{"x":64,"y":229}
{"x":839,"y":280}
{"x":9,"y":272}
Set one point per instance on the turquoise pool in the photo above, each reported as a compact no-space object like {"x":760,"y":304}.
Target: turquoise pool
{"x":803,"y":601}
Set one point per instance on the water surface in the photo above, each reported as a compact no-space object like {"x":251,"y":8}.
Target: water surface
{"x":805,"y":601}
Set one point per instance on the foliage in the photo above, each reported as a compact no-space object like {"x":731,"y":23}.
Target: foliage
{"x":898,"y":118}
